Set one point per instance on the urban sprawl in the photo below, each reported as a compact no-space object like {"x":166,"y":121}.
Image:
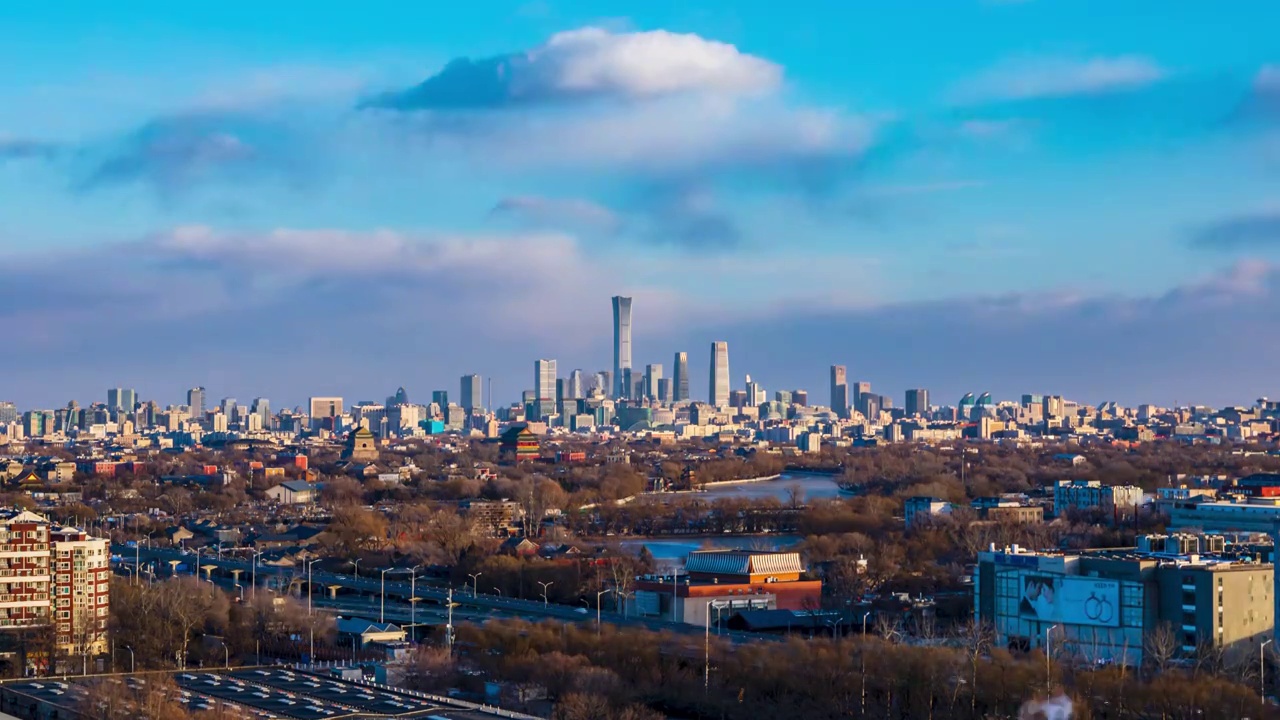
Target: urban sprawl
{"x":740,"y":555}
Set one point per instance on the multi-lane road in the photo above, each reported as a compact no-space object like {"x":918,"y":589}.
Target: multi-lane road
{"x":367,"y":596}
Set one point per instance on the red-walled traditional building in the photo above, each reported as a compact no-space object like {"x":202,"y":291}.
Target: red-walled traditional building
{"x":719,"y":583}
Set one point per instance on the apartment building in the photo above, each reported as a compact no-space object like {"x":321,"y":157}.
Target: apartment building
{"x":54,"y":575}
{"x":1092,"y":494}
{"x":81,"y":591}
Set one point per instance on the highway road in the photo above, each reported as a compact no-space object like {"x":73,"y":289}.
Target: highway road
{"x":364,"y":596}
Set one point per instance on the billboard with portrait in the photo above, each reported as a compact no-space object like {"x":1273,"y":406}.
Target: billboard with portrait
{"x":1070,"y":600}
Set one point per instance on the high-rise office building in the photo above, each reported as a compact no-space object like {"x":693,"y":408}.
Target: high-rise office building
{"x":629,"y":383}
{"x":800,"y":397}
{"x":544,"y":380}
{"x":782,"y":396}
{"x":262,"y":408}
{"x":575,"y":389}
{"x":621,"y":344}
{"x":8,"y":413}
{"x":840,"y":390}
{"x":229,"y":407}
{"x":472,"y":389}
{"x":719,"y":392}
{"x":121,"y":400}
{"x":603,"y":382}
{"x":195,"y":402}
{"x":652,"y":374}
{"x":857,"y":393}
{"x":917,"y":401}
{"x":755,"y":393}
{"x":440,"y":397}
{"x":664,"y":390}
{"x":680,"y":378}
{"x":324,"y":409}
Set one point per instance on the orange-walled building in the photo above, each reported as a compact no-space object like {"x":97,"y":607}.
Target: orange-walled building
{"x":719,"y":583}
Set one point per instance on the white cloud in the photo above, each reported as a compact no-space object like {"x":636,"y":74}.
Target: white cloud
{"x":592,"y":63}
{"x":672,"y":136}
{"x":1058,"y":78}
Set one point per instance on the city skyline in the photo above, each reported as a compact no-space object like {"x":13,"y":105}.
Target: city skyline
{"x":1026,"y":203}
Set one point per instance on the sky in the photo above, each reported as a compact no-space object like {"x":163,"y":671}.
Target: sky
{"x":286,"y":199}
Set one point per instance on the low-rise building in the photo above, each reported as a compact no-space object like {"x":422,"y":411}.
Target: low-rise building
{"x":1093,"y":495}
{"x":917,"y":510}
{"x":293,"y":492}
{"x":719,"y":583}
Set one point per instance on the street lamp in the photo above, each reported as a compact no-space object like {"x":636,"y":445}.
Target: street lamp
{"x":226,"y":652}
{"x":356,"y":568}
{"x":1262,"y":669}
{"x":413,"y":599}
{"x":1048,"y":654}
{"x":253,"y":579}
{"x":598,"y":596}
{"x":475,"y":579}
{"x":545,"y":585}
{"x":497,"y":590}
{"x":132,"y":659}
{"x":309,"y":564}
{"x":706,"y":668}
{"x":865,"y":615}
{"x":382,"y":614}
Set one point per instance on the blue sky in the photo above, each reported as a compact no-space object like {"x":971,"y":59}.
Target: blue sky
{"x":295,"y":198}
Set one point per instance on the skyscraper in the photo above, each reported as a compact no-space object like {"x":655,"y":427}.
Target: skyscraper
{"x":621,"y":344}
{"x":755,"y":393}
{"x":229,"y":408}
{"x":840,"y":391}
{"x":680,"y":378}
{"x":664,"y":390}
{"x":121,"y":400}
{"x":719,"y":392}
{"x":472,"y":387}
{"x":575,"y":389}
{"x":324,"y":409}
{"x":652,"y":374}
{"x":262,"y":408}
{"x":858,"y":392}
{"x":441,"y":398}
{"x":195,"y":402}
{"x":917,"y":401}
{"x":544,"y":381}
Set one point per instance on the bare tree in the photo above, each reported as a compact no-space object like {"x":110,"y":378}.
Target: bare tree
{"x":889,"y":627}
{"x":1160,"y":646}
{"x":976,"y":639}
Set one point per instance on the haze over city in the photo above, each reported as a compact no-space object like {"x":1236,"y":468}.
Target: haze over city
{"x":1012,"y":196}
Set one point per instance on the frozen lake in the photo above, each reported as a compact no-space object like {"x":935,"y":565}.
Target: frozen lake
{"x":813,"y":487}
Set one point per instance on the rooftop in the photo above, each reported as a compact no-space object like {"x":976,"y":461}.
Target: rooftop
{"x":743,"y":562}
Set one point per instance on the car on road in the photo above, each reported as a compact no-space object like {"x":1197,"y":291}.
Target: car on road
{"x":580,"y":611}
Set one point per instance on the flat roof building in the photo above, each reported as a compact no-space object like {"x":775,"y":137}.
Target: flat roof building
{"x":1105,"y":606}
